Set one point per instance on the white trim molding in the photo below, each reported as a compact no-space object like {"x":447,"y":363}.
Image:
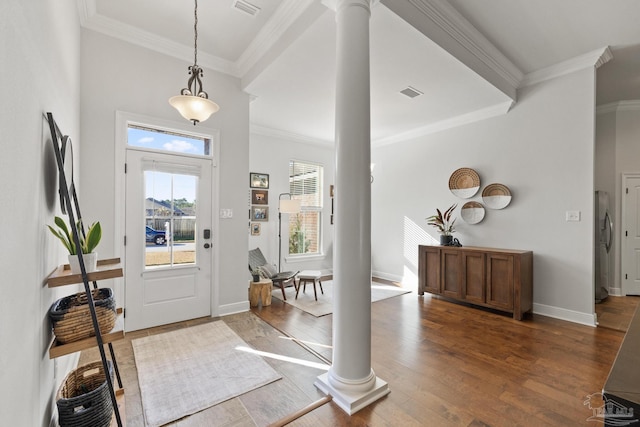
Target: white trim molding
{"x":283,"y":18}
{"x":595,"y":58}
{"x":564,"y":314}
{"x":614,"y":107}
{"x":442,"y":23}
{"x":463,"y":119}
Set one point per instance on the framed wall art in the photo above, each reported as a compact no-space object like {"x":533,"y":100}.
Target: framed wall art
{"x":258,"y":180}
{"x":259,"y":213}
{"x":259,"y":197}
{"x":255,"y":228}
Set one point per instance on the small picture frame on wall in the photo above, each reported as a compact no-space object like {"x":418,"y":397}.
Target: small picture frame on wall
{"x":259,"y":213}
{"x":258,"y":180}
{"x":255,"y":228}
{"x":259,"y":197}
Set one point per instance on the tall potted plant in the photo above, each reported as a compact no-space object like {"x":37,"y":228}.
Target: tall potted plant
{"x":444,"y":224}
{"x":88,"y":243}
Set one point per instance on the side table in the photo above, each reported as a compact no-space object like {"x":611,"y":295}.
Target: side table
{"x":260,"y":292}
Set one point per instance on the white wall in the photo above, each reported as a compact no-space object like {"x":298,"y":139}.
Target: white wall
{"x":543,"y":150}
{"x":39,"y":72}
{"x":118,"y":76}
{"x":627,"y":156}
{"x":271,"y":155}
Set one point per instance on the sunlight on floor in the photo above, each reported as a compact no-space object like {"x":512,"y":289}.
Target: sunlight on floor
{"x":306,"y":342}
{"x":316,"y":365}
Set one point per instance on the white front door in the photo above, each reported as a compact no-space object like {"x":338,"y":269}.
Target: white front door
{"x":168,"y":250}
{"x":631,"y":237}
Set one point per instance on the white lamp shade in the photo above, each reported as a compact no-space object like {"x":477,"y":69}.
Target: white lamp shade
{"x":194,"y":108}
{"x":289,"y":206}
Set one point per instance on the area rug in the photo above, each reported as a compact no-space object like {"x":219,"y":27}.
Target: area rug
{"x":324,"y":305}
{"x":188,"y":370}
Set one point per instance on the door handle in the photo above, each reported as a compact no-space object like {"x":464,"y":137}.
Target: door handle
{"x":207,"y":246}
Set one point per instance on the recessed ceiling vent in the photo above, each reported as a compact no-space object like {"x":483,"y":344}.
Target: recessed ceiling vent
{"x":245,"y":7}
{"x":411,"y":92}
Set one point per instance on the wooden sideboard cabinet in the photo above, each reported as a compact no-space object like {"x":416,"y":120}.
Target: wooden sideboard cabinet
{"x":501,"y":279}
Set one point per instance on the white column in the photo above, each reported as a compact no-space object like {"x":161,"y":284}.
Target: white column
{"x":350,"y":380}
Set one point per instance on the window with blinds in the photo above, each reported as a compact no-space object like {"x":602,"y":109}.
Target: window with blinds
{"x":305,"y":184}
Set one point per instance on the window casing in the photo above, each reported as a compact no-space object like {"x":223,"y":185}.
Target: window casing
{"x":305,"y":228}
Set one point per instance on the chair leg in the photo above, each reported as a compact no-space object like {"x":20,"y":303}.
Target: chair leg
{"x":320,"y":283}
{"x":284,"y":297}
{"x":298,"y":287}
{"x":315,"y":293}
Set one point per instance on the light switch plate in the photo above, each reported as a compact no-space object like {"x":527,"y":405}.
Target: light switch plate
{"x":226,"y":213}
{"x":573,"y":215}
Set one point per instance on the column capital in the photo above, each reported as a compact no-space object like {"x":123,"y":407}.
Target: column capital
{"x":334,"y":4}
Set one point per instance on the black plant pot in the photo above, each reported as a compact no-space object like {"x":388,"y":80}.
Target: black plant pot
{"x":446,"y":240}
{"x":256,"y":278}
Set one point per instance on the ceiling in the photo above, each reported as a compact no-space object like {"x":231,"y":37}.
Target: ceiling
{"x":467,"y":57}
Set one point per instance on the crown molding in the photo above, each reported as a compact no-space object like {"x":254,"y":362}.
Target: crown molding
{"x":289,"y":136}
{"x":474,"y":116}
{"x":614,"y":107}
{"x":110,"y":27}
{"x":593,"y":59}
{"x":451,"y":31}
{"x":283,"y":18}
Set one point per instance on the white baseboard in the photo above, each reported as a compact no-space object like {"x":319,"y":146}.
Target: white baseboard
{"x":564,"y":314}
{"x":387,"y":276}
{"x":236,"y":307}
{"x":615,"y":292}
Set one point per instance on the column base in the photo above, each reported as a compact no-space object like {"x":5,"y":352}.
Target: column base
{"x":351,"y":401}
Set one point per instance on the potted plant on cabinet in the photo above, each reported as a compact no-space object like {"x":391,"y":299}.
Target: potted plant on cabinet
{"x":88,"y":243}
{"x":444,"y":224}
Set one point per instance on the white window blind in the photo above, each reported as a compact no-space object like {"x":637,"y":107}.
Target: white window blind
{"x":304,"y":183}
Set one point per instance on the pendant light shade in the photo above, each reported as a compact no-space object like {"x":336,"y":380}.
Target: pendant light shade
{"x":193,"y":103}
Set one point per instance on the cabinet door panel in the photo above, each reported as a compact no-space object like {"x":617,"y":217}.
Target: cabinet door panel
{"x":431,"y":263}
{"x":451,"y":274}
{"x":500,"y":281}
{"x":473,"y":267}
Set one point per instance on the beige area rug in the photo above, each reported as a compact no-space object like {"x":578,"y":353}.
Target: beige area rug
{"x":186,"y":371}
{"x":324,"y":306}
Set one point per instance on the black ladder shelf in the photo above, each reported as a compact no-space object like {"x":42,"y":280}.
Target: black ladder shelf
{"x":107,"y":268}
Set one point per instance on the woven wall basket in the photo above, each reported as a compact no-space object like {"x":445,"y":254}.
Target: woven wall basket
{"x":84,"y":399}
{"x":71,"y":317}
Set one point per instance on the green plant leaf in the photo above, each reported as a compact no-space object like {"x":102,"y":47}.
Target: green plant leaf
{"x":94,"y":234}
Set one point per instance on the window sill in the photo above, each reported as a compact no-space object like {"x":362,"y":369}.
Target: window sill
{"x":303,"y":258}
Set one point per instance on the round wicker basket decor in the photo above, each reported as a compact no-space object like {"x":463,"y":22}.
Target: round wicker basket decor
{"x":71,"y":317}
{"x":84,"y":398}
{"x":496,"y":196}
{"x":472,"y":212}
{"x":464,"y":183}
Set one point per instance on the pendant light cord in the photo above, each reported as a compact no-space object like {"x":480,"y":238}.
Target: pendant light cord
{"x":195,"y":32}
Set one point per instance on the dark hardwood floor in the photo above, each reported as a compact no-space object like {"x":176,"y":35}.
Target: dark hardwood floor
{"x":616,"y":312}
{"x":446,"y":365}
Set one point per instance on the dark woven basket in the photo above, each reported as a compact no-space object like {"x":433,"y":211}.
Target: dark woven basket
{"x":84,"y":399}
{"x":71,"y":317}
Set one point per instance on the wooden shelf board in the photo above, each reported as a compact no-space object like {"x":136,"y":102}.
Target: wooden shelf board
{"x":57,"y":350}
{"x":107,"y":269}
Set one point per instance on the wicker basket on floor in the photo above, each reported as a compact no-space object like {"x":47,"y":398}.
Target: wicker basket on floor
{"x":84,"y":399}
{"x":71,"y":317}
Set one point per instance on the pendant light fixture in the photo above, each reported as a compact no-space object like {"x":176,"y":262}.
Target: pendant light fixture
{"x":193,"y":103}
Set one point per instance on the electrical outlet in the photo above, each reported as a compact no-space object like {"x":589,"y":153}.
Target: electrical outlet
{"x":573,"y":215}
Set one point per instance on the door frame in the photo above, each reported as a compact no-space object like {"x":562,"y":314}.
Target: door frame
{"x":623,"y":226}
{"x":123,"y":119}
